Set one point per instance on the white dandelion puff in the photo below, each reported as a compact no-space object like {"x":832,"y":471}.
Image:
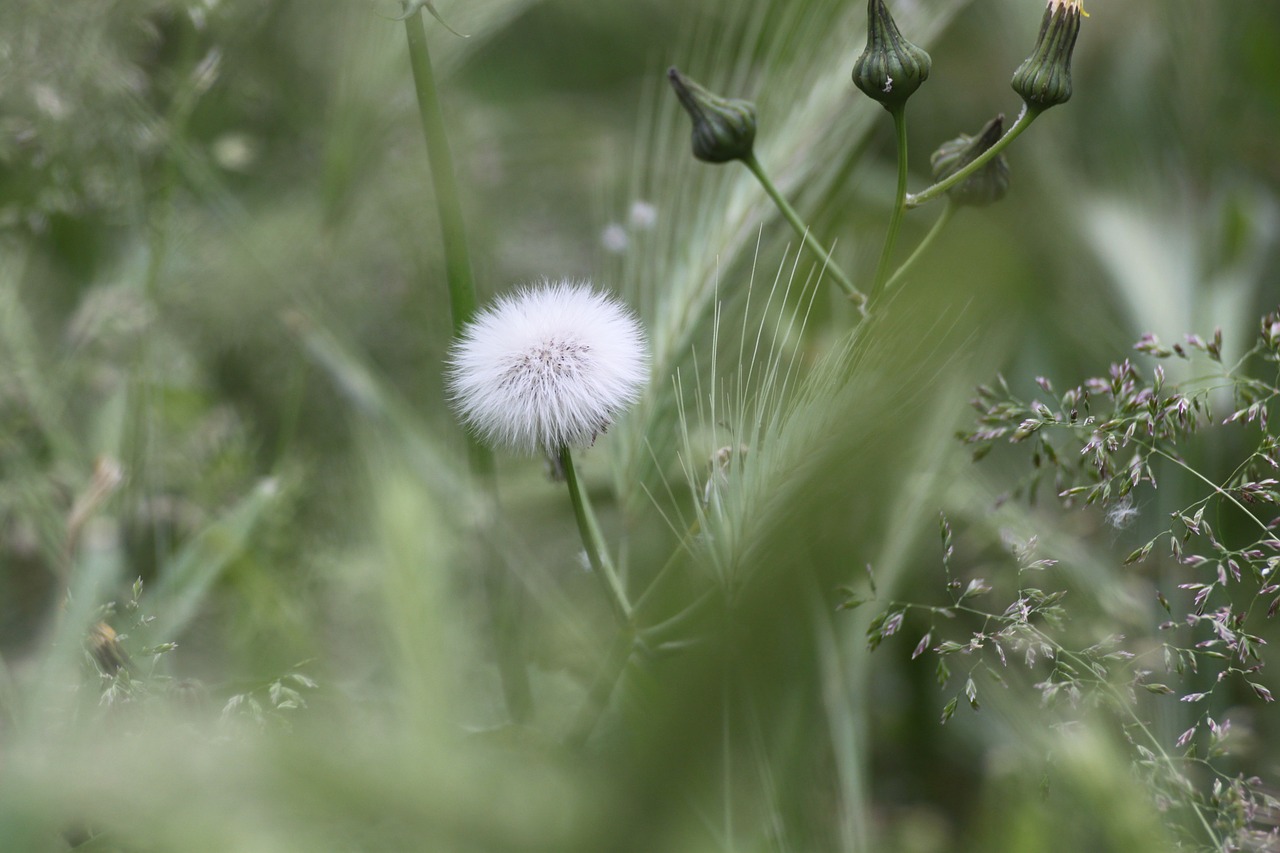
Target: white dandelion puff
{"x":548,"y":367}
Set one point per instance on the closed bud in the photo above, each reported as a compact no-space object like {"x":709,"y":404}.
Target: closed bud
{"x":891,"y":68}
{"x":724,"y":129}
{"x":1044,"y":79}
{"x":985,"y":186}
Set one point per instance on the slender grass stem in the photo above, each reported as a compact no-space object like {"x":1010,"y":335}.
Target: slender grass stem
{"x":504,"y":606}
{"x":602,"y":688}
{"x":899,"y":114}
{"x":947,"y":212}
{"x":1122,"y":702}
{"x":139,"y":431}
{"x":1120,"y":699}
{"x":805,"y":235}
{"x":457,"y":259}
{"x":1025,"y":118}
{"x":657,"y":635}
{"x":1221,"y":492}
{"x":650,"y":592}
{"x":593,"y":541}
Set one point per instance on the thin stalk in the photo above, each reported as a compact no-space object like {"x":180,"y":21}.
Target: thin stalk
{"x":593,"y":541}
{"x":726,"y":755}
{"x":1221,"y":492}
{"x":947,"y":212}
{"x":656,"y":635}
{"x":1155,"y":744}
{"x":1024,"y":121}
{"x":802,"y":230}
{"x":139,"y":435}
{"x":504,"y":607}
{"x":650,"y":593}
{"x":457,"y":260}
{"x":602,"y":688}
{"x":1122,"y":701}
{"x":899,"y":114}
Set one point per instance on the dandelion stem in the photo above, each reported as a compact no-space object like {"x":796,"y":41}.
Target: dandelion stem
{"x":899,"y":114}
{"x":802,"y":230}
{"x":593,"y":541}
{"x":1025,"y":118}
{"x":947,"y":212}
{"x":505,"y":608}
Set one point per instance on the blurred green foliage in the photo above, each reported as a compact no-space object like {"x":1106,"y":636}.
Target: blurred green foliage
{"x":220,"y":270}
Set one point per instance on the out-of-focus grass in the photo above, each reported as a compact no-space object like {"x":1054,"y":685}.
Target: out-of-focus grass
{"x":218,"y":265}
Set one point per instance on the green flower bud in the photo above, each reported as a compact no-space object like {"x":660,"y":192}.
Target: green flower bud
{"x":724,"y":129}
{"x":1044,"y":79}
{"x":985,"y":186}
{"x":891,"y":68}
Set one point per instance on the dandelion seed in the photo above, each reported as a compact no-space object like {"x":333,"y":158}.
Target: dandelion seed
{"x":548,"y":367}
{"x":614,"y":238}
{"x":643,"y":215}
{"x":1122,"y":514}
{"x":50,"y":102}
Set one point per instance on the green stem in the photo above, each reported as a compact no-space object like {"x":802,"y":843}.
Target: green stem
{"x":504,"y":606}
{"x":1221,"y":492}
{"x":1122,"y":699}
{"x":602,"y":688}
{"x":1027,"y":116}
{"x":663,"y":632}
{"x":651,"y":591}
{"x":947,"y":212}
{"x":139,"y":434}
{"x":802,"y":230}
{"x":593,"y":541}
{"x":462,"y":290}
{"x":899,"y":114}
{"x":1124,"y":702}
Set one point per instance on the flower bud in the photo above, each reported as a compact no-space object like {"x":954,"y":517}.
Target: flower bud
{"x":985,"y":186}
{"x":891,"y":68}
{"x":1044,"y":79}
{"x":724,"y":129}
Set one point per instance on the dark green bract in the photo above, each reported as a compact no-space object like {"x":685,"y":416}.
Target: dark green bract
{"x":724,"y":129}
{"x":989,"y":183}
{"x":1044,"y":79}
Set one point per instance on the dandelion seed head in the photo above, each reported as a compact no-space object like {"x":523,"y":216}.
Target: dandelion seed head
{"x":547,"y":367}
